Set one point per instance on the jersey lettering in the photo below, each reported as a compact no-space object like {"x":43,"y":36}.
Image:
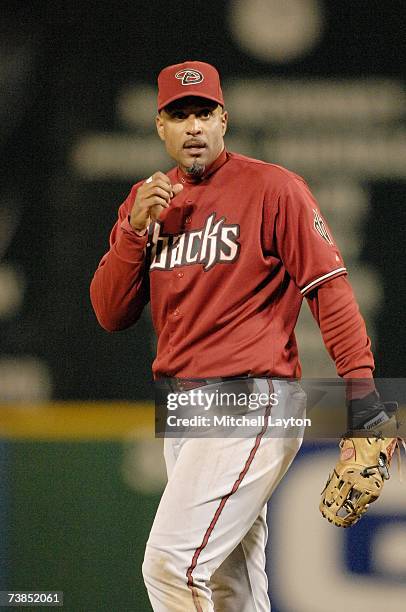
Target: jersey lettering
{"x":215,"y":243}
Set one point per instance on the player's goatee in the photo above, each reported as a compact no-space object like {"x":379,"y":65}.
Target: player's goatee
{"x":196,"y":170}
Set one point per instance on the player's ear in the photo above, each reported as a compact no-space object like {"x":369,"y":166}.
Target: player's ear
{"x":160,"y":126}
{"x":224,"y":120}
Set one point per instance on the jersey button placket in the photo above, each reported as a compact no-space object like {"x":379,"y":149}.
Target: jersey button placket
{"x":176,"y":313}
{"x":188,"y":218}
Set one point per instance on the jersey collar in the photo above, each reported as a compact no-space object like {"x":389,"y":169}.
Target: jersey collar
{"x":183,"y":177}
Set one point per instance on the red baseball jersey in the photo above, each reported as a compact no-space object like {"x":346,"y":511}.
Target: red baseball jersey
{"x":225,"y":268}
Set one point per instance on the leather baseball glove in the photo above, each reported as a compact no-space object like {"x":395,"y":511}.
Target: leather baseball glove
{"x":365,"y":456}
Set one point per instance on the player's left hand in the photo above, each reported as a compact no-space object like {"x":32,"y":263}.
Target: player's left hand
{"x":365,"y":456}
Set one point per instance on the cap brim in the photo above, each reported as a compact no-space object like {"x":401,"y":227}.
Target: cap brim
{"x":194,"y":93}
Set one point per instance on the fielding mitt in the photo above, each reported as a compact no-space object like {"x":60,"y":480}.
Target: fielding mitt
{"x":358,"y":477}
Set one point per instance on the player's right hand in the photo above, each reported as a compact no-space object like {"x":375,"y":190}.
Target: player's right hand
{"x":152,"y":198}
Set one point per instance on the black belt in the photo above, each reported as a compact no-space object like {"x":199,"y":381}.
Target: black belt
{"x":187,"y":384}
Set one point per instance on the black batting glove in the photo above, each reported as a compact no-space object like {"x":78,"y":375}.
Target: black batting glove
{"x":370,"y":414}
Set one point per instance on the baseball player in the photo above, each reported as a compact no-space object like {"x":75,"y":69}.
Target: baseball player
{"x":224,"y":247}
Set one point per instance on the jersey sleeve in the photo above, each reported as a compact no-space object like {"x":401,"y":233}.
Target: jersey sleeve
{"x":334,"y":307}
{"x":304,"y":240}
{"x":120,"y":286}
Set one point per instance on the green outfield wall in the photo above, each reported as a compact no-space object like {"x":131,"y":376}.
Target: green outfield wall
{"x":78,"y":516}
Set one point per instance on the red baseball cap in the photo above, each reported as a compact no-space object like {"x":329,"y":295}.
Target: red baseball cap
{"x":189,"y":79}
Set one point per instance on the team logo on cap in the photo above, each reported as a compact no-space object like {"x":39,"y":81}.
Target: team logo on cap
{"x":189,"y":76}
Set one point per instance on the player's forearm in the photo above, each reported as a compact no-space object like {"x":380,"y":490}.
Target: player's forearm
{"x":336,"y":311}
{"x":119,"y":289}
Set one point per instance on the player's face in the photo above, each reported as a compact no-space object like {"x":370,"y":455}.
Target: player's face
{"x":193,"y":130}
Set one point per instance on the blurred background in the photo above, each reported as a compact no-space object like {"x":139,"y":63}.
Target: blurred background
{"x":314,"y":85}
